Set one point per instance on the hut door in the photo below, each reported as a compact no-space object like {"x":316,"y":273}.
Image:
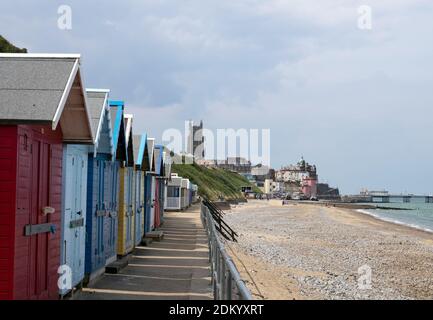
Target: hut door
{"x":39,"y":242}
{"x":73,"y":242}
{"x":78,"y":218}
{"x":148,"y":200}
{"x":138,"y":207}
{"x":157,"y":204}
{"x":100,"y":258}
{"x":70,"y":204}
{"x":114,"y":200}
{"x":129,"y":202}
{"x":110,"y":219}
{"x":152,"y":204}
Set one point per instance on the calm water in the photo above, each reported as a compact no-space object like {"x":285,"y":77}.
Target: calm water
{"x":418,"y":215}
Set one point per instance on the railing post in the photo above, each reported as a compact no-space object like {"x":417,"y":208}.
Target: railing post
{"x":225,"y":279}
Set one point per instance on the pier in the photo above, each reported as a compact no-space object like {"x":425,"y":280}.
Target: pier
{"x":389,"y":198}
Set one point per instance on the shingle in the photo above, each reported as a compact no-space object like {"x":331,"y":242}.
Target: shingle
{"x":28,"y":104}
{"x":31,"y":88}
{"x":95,"y":103}
{"x":136,"y":141}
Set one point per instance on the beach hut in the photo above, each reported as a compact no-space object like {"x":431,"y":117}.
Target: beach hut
{"x":150,"y":188}
{"x":184,"y":190}
{"x":102,"y":187}
{"x":173,"y":196}
{"x":126,"y":236}
{"x":43,"y":106}
{"x":141,"y":160}
{"x":121,"y":159}
{"x":167,"y":171}
{"x":159,"y":185}
{"x":84,"y":187}
{"x":194,"y":193}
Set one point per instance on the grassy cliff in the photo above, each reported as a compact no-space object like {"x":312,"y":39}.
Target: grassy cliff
{"x":7,"y":47}
{"x":213,"y":182}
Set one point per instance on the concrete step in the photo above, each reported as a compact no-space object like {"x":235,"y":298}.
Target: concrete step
{"x":118,"y":265}
{"x":155,"y":235}
{"x":146,"y":242}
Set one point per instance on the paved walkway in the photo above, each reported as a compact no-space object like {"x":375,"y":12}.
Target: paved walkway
{"x":177,"y":267}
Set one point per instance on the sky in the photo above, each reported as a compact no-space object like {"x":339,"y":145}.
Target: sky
{"x":356,"y":102}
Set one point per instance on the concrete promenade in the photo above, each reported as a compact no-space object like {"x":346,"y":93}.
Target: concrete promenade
{"x":177,"y":267}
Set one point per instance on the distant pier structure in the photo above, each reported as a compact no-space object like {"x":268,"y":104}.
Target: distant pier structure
{"x":386,"y":197}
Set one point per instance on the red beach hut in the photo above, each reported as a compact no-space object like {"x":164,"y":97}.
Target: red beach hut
{"x":42,"y":106}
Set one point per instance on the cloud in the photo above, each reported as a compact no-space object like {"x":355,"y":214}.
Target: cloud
{"x":357,"y":103}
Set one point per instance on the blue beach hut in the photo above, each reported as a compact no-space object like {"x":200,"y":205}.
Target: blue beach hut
{"x":141,"y":154}
{"x":100,"y":187}
{"x":74,"y":190}
{"x":150,"y":188}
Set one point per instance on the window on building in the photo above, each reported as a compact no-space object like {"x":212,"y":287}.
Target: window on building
{"x":172,"y":191}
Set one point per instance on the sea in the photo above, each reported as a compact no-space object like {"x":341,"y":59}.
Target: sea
{"x":415,"y":215}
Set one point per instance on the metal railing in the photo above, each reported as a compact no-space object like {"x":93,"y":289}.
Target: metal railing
{"x":226,"y":280}
{"x":220,"y":225}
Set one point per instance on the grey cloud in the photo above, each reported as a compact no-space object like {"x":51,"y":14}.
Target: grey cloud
{"x":356,"y":103}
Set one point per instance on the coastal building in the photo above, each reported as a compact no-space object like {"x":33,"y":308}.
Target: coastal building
{"x":271,"y":186}
{"x":43,"y":105}
{"x":102,"y":189}
{"x":207,"y":163}
{"x":300,"y":178}
{"x":195,"y":144}
{"x":235,"y":164}
{"x":249,"y":177}
{"x":260,"y":173}
{"x":325,"y":192}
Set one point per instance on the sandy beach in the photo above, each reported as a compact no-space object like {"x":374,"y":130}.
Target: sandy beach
{"x":301,"y":251}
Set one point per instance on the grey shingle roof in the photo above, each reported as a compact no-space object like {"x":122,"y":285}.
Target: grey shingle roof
{"x":95,"y":104}
{"x":31,"y":88}
{"x":136,"y":138}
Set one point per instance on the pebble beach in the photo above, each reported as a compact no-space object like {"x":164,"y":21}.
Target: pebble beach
{"x":304,"y":251}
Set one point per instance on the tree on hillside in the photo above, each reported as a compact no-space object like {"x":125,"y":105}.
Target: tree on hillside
{"x":6,"y":46}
